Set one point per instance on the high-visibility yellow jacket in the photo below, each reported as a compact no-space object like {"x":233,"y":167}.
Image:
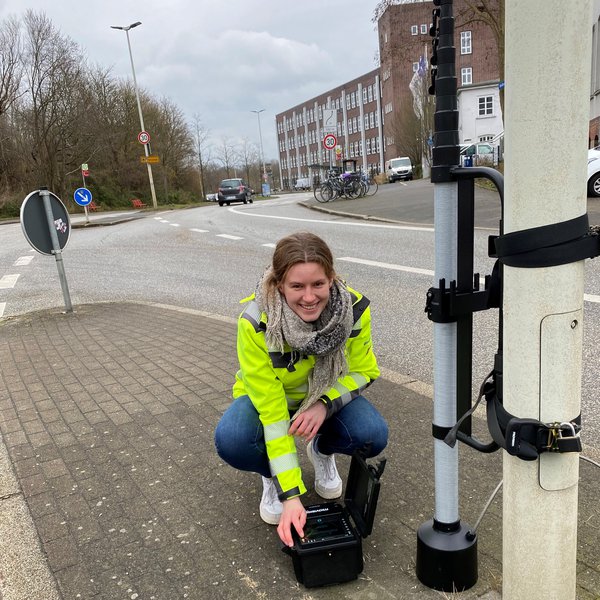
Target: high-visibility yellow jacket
{"x":278,"y":382}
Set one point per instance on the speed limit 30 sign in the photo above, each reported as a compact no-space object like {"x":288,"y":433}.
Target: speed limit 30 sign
{"x":143,"y":137}
{"x":329,"y":141}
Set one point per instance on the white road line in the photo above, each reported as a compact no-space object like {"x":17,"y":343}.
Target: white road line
{"x":199,"y":230}
{"x":23,"y":261}
{"x":229,"y":237}
{"x":269,"y":245}
{"x":344,"y":223}
{"x":2,"y":307}
{"x":382,"y":265}
{"x":393,"y":267}
{"x":8,"y":281}
{"x":174,"y":224}
{"x":158,"y":218}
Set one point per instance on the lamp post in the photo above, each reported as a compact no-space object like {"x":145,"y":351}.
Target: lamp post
{"x":137,"y":97}
{"x":262,"y":154}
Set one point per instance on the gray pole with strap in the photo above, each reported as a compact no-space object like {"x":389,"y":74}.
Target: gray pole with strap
{"x":446,"y":549}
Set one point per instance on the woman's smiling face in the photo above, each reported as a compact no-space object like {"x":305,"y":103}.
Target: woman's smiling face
{"x":306,"y":290}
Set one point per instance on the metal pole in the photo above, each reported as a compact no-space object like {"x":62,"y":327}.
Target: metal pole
{"x":87,"y":217}
{"x":139,"y":105}
{"x":446,"y":551}
{"x":547,"y":97}
{"x":56,"y":249}
{"x":262,"y":154}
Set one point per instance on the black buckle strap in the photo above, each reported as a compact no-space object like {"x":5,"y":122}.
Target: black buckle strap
{"x":528,"y":438}
{"x":548,"y":245}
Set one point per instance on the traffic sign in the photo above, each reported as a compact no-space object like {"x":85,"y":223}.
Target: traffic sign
{"x":153,"y":159}
{"x":82,"y":196}
{"x":35,"y":224}
{"x":143,"y":137}
{"x":329,"y":141}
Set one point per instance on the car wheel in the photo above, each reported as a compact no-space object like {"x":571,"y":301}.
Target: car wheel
{"x":594,"y":186}
{"x":220,"y":203}
{"x":390,"y":180}
{"x":250,"y":199}
{"x":245,"y":200}
{"x":229,"y":204}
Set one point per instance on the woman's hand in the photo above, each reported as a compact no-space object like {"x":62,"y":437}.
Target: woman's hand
{"x":307,"y":423}
{"x":293,"y":515}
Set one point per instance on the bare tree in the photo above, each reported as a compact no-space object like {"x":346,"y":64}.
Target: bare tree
{"x":226,"y":154}
{"x":11,"y":67}
{"x":201,"y":139}
{"x":250,"y":157}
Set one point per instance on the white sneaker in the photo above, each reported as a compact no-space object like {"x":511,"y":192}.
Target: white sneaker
{"x":270,"y":506}
{"x":328,"y":483}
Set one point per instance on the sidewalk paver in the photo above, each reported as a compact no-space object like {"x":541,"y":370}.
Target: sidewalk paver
{"x":107,"y":416}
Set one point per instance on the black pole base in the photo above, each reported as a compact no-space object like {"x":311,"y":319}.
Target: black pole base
{"x":446,"y":560}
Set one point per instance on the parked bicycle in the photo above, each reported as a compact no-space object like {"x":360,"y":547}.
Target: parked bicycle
{"x":336,"y":185}
{"x":347,"y":185}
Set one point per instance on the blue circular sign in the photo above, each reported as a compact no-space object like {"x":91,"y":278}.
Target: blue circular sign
{"x":82,"y":196}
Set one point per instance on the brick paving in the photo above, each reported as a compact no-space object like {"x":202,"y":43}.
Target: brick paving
{"x":107,"y":415}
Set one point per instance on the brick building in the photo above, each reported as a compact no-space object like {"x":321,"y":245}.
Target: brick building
{"x":366,"y":109}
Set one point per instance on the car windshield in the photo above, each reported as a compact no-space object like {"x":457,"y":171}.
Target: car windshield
{"x":400,"y":162}
{"x":229,"y":183}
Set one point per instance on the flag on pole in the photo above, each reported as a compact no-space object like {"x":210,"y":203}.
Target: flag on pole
{"x":416,"y":86}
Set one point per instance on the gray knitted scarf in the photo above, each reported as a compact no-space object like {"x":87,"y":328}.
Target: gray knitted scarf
{"x":325,"y":338}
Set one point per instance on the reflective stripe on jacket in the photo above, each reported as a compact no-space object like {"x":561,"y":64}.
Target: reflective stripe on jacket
{"x":277,"y":383}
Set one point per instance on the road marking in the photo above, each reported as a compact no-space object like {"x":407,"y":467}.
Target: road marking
{"x":269,"y":245}
{"x":393,"y":267}
{"x":591,"y":298}
{"x":8,"y":281}
{"x":328,"y":222}
{"x":158,"y":218}
{"x":2,"y":307}
{"x":23,"y":261}
{"x":200,"y":230}
{"x":382,"y":265}
{"x":229,"y":237}
{"x":174,"y":224}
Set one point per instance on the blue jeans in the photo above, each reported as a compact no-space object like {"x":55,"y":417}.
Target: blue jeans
{"x":240,"y":441}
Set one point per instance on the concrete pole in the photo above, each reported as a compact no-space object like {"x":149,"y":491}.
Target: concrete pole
{"x":548,"y":50}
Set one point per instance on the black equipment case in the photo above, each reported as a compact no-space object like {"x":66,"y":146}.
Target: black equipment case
{"x":331,"y":550}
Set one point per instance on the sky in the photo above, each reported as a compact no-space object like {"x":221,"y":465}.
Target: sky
{"x":221,"y":59}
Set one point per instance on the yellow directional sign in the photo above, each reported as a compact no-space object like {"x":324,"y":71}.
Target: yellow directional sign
{"x":153,"y":159}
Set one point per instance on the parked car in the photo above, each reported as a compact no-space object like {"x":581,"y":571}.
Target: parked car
{"x":593,"y":176}
{"x":399,"y":168}
{"x":302,"y":183}
{"x":234,"y":190}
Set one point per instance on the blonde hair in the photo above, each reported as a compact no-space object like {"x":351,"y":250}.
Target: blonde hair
{"x":299,"y":247}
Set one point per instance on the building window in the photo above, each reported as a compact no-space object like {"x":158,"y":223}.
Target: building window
{"x":465,"y":42}
{"x":364,"y":95}
{"x":414,"y":30}
{"x":486,"y":106}
{"x":370,"y":93}
{"x":424,"y":28}
{"x":354,"y":125}
{"x":486,"y":138}
{"x":372,"y":120}
{"x":349,"y":125}
{"x":366,"y":121}
{"x":466,"y":76}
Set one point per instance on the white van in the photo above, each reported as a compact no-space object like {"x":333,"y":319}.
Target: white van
{"x":399,"y":168}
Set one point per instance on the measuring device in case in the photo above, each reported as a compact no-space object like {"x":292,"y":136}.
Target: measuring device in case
{"x":331,"y":550}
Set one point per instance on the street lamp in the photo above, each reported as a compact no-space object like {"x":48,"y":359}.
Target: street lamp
{"x":137,"y":97}
{"x":265,"y":178}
